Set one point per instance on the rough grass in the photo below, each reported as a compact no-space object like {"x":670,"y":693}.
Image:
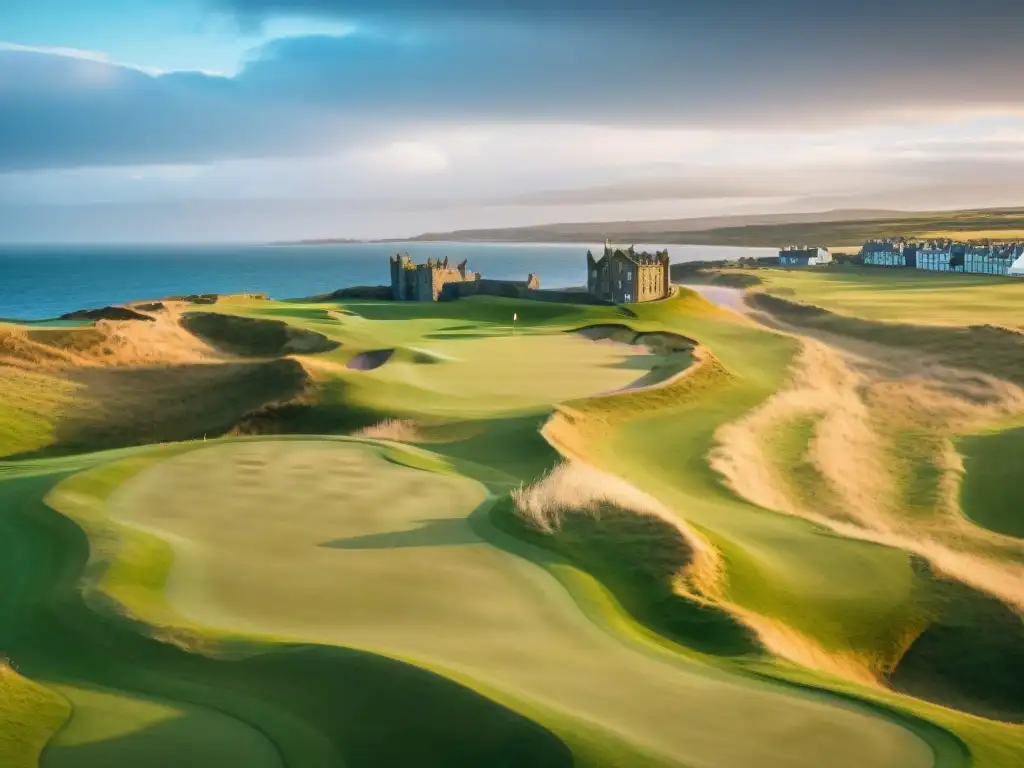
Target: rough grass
{"x":659,"y":569}
{"x":98,"y":408}
{"x":987,"y":349}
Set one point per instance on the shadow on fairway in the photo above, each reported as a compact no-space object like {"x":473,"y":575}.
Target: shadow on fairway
{"x":431,"y":533}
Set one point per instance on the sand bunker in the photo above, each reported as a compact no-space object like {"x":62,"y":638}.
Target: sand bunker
{"x":676,"y":352}
{"x":368,"y":361}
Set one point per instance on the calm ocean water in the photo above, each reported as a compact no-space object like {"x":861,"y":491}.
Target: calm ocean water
{"x":38,"y":282}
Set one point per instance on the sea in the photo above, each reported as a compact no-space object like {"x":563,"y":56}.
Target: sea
{"x":40,"y":282}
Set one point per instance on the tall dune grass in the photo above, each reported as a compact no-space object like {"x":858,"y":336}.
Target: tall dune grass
{"x":573,"y":487}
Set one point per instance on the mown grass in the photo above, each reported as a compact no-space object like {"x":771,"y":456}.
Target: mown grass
{"x":993,"y":486}
{"x":315,"y":704}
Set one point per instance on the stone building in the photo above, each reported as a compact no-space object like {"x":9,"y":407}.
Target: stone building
{"x":889,"y":253}
{"x":438,"y":281}
{"x":424,"y":282}
{"x":624,"y":276}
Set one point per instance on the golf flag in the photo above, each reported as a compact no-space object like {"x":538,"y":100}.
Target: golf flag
{"x":515,"y":316}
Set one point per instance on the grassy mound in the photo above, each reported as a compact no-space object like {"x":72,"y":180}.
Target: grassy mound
{"x":91,"y":409}
{"x":639,"y":558}
{"x":255,"y":337}
{"x":971,"y":657}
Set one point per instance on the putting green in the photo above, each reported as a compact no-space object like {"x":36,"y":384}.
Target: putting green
{"x":481,"y":376}
{"x":327,"y":541}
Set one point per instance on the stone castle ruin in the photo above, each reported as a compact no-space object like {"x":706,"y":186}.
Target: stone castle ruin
{"x":424,"y":282}
{"x":437,"y":280}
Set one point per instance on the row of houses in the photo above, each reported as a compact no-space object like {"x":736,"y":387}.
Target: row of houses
{"x":947,"y":256}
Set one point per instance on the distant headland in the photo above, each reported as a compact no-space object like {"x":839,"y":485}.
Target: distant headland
{"x":843,"y":230}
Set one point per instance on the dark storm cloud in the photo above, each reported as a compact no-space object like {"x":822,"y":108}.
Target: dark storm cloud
{"x":730,"y":63}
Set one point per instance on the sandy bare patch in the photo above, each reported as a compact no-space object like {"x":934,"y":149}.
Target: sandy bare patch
{"x":368,"y":361}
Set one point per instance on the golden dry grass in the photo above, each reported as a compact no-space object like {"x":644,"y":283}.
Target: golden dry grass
{"x":860,"y":407}
{"x":107,"y":343}
{"x":399,"y":430}
{"x":971,"y":234}
{"x":574,"y":487}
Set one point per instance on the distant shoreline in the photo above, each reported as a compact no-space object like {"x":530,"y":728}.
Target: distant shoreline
{"x":837,"y":230}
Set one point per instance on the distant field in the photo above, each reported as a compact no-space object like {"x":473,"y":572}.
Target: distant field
{"x":900,"y":295}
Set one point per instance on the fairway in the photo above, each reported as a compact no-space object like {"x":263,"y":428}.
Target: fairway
{"x":370,"y":553}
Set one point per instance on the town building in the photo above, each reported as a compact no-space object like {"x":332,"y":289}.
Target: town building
{"x":992,"y":259}
{"x":624,"y":276}
{"x":804,"y":256}
{"x":889,"y":253}
{"x":941,"y":256}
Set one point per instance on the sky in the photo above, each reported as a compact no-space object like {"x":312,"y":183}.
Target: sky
{"x":253,"y":120}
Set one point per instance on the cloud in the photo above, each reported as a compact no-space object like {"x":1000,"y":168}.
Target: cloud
{"x":400,"y":68}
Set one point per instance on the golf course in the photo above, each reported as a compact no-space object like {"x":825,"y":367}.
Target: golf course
{"x":776,"y":525}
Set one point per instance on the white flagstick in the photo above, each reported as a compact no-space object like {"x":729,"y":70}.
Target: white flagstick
{"x":515,"y":316}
